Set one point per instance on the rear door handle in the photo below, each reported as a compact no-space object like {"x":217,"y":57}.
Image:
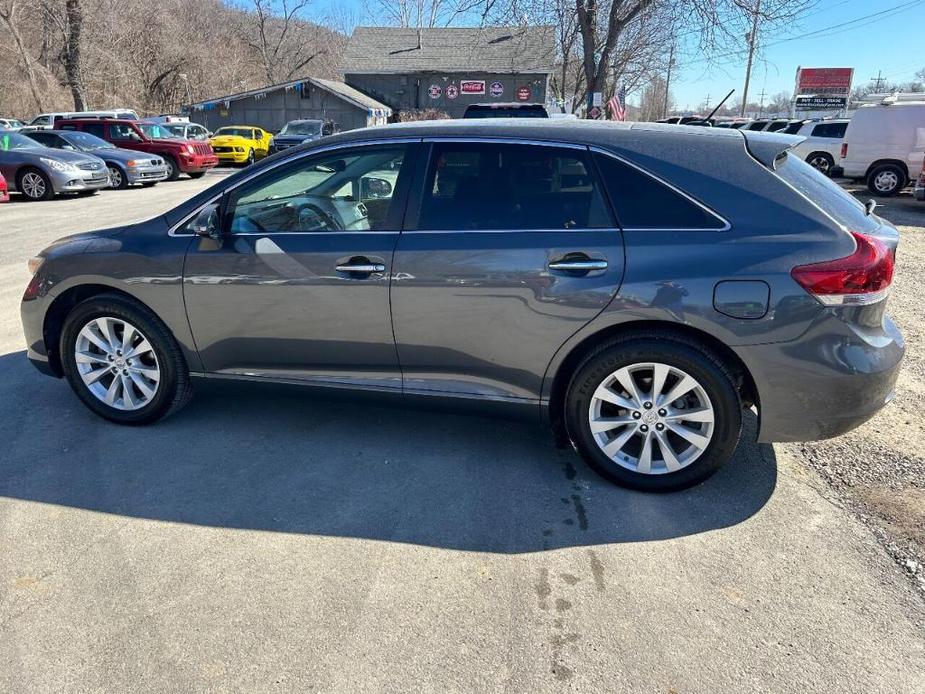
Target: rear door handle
{"x":578,"y":265}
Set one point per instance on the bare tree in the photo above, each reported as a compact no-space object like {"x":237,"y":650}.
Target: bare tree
{"x":653,"y":100}
{"x":68,"y":22}
{"x":10,"y":15}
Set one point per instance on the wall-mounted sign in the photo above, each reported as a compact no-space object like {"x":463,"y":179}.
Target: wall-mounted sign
{"x":472,"y":86}
{"x":595,"y":112}
{"x":820,"y":103}
{"x":435,"y":91}
{"x":524,"y":93}
{"x":496,"y":89}
{"x":452,"y":91}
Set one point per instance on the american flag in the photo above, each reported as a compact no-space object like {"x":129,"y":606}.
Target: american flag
{"x":617,"y":105}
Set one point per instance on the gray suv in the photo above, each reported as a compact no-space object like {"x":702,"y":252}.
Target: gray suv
{"x":636,"y":286}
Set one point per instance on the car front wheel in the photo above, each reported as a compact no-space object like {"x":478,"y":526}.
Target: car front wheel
{"x":653,"y":413}
{"x":117,"y":179}
{"x":173,"y":170}
{"x":35,"y":185}
{"x":122,"y":361}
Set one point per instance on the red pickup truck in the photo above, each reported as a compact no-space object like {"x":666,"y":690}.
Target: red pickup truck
{"x":181,"y":156}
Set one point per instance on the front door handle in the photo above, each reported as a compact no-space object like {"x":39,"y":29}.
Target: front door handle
{"x":578,"y":265}
{"x":365,"y":268}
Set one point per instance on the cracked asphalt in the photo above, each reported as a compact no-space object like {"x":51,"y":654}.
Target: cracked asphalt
{"x":266,"y":540}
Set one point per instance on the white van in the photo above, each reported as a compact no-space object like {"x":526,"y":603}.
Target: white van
{"x":47,"y":121}
{"x":884,"y":145}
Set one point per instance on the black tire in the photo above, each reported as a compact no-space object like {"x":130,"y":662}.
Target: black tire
{"x":87,"y":193}
{"x":196,"y":174}
{"x":48,"y":189}
{"x":821,"y":161}
{"x":149,"y":184}
{"x":174,"y":389}
{"x":173,"y":169}
{"x":690,"y":357}
{"x":886,"y":180}
{"x":118,"y":175}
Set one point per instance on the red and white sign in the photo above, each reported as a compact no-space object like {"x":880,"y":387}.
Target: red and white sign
{"x":524,"y":93}
{"x":830,"y":81}
{"x":472,"y":86}
{"x":452,"y":91}
{"x":435,"y":91}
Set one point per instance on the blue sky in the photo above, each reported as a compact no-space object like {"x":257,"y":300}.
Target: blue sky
{"x":890,"y":42}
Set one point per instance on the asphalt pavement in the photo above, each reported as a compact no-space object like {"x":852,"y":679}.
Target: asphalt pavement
{"x":267,"y":540}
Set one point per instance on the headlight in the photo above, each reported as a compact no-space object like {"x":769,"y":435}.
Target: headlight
{"x":34,"y":264}
{"x":238,"y":149}
{"x":191,"y":149}
{"x":58,"y":165}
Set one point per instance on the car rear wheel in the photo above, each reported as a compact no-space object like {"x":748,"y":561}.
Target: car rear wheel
{"x":197,"y":174}
{"x":821,"y":161}
{"x":117,"y":179}
{"x":35,"y":185}
{"x":654,"y":414}
{"x":886,"y":180}
{"x":122,"y":361}
{"x":173,"y":170}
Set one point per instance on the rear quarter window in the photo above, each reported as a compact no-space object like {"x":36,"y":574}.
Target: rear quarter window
{"x":825,"y":194}
{"x":643,"y":202}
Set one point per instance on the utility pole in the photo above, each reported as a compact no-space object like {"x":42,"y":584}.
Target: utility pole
{"x":668,"y":80}
{"x":761,"y":103}
{"x":752,"y":40}
{"x":878,"y":79}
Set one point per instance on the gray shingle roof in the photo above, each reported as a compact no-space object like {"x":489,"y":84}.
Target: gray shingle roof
{"x":340,"y":89}
{"x":487,"y":49}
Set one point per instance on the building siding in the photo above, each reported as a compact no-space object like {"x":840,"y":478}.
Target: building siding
{"x":412,"y":91}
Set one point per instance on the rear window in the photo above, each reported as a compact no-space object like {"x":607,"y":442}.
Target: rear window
{"x":642,"y":202}
{"x":825,"y":193}
{"x":793,"y":128}
{"x":835,"y":130}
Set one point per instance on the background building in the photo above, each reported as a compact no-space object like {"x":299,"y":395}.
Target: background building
{"x":450,"y":68}
{"x":272,"y":107}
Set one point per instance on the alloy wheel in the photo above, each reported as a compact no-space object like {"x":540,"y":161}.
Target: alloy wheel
{"x":820,"y":163}
{"x":33,"y":185}
{"x":117,"y":363}
{"x":115,"y":177}
{"x":651,"y":418}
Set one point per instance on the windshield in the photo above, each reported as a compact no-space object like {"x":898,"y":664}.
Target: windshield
{"x":240,"y":132}
{"x":11,"y":141}
{"x":86,"y":141}
{"x":177,"y":129}
{"x":155,"y":131}
{"x":825,"y":193}
{"x":302,"y":127}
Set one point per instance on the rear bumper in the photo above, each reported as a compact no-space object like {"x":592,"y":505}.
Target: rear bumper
{"x":831,"y":380}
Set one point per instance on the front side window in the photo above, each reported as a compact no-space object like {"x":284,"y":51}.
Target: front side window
{"x":118,"y":131}
{"x":339,"y":191}
{"x":487,"y":186}
{"x":643,"y":202}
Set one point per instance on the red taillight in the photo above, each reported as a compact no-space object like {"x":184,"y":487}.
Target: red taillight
{"x":862,"y":278}
{"x":844,"y":150}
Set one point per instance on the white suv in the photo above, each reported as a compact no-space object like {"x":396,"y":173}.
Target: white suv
{"x":822,"y":145}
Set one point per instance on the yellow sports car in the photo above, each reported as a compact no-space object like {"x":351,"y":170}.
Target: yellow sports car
{"x":240,"y":144}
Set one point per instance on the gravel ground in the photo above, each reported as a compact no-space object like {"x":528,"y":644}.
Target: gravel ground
{"x":878,"y":470}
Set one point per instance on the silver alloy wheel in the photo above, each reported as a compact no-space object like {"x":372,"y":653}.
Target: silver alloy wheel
{"x":171,"y":169}
{"x":33,"y":185}
{"x":820,"y":163}
{"x":885,"y":181}
{"x":115,"y":177}
{"x":651,"y":418}
{"x":117,"y":363}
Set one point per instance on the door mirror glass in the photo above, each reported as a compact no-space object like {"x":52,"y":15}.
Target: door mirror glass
{"x":206,"y":222}
{"x":372,"y":188}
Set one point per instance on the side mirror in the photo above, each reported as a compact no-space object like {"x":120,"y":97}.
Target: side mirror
{"x":207,"y":222}
{"x":372,"y":187}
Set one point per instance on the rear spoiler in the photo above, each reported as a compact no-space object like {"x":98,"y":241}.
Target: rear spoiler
{"x":767,"y":147}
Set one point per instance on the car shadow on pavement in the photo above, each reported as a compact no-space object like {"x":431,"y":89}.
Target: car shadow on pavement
{"x":278,"y":459}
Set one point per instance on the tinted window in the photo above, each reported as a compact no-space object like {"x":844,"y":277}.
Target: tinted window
{"x":793,"y":128}
{"x":343,"y":191}
{"x":44,"y":138}
{"x":117,"y":131}
{"x":777,"y":125}
{"x":510,"y":187}
{"x":758,"y":125}
{"x":642,"y":202}
{"x":827,"y":194}
{"x":834,"y":130}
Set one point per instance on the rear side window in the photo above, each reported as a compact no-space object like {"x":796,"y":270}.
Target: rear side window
{"x":793,"y":128}
{"x":511,"y":187}
{"x":835,"y":130}
{"x":777,"y":125}
{"x":643,"y":202}
{"x":825,"y":193}
{"x":94,"y":129}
